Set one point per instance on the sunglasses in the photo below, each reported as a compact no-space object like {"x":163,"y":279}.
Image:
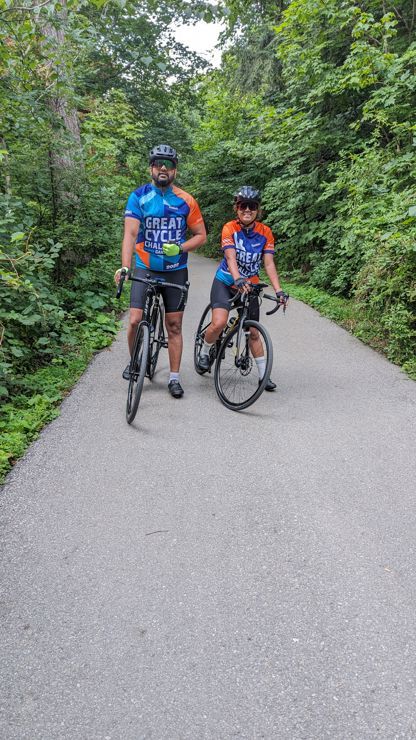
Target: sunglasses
{"x":159,"y":163}
{"x":249,"y":205}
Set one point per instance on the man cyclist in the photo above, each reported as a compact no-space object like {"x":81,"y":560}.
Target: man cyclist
{"x":245,"y":242}
{"x":157,"y":218}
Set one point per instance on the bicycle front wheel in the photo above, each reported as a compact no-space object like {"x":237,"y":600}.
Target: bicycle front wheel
{"x":138,"y":364}
{"x":157,"y":336}
{"x":236,"y":370}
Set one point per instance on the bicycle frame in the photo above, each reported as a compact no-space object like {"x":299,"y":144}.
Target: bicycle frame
{"x":242,"y":304}
{"x":152,"y":291}
{"x":144,"y":354}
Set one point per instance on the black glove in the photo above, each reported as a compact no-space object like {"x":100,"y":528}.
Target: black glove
{"x":282,"y":296}
{"x":240,"y":282}
{"x":121,"y":271}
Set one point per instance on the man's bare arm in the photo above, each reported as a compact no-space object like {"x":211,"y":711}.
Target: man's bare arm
{"x":198,"y":238}
{"x":131,"y":229}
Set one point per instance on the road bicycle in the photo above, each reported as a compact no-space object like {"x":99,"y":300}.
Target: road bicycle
{"x":150,"y":336}
{"x":236,"y":377}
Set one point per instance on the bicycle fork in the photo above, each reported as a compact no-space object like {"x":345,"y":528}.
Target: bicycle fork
{"x":241,"y":346}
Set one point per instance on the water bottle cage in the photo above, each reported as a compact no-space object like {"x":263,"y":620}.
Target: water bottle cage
{"x":230,"y":324}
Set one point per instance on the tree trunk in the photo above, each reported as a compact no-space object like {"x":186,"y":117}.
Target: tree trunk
{"x":7,"y":178}
{"x":65,"y":150}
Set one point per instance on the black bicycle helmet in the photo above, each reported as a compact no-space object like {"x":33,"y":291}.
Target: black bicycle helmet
{"x":163,"y":151}
{"x":247,"y":192}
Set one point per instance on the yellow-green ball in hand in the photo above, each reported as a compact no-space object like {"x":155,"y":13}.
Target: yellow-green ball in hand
{"x":171,"y":250}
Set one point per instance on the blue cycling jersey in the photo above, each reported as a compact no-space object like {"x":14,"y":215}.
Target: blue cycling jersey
{"x":164,"y":216}
{"x":250,"y":245}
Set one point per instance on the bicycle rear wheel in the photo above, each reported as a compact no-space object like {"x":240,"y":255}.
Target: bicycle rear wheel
{"x":157,"y":339}
{"x":199,"y":339}
{"x":138,"y":364}
{"x":236,"y":374}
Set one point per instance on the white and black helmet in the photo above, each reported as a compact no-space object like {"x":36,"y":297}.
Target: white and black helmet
{"x":163,"y":151}
{"x":247,"y":192}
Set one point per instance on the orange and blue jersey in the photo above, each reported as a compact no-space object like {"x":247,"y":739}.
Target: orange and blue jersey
{"x":250,"y":245}
{"x":164,"y":216}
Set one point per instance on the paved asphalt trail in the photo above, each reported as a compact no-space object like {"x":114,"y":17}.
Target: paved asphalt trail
{"x":207,"y":574}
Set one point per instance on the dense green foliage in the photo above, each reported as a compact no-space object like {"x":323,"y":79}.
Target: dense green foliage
{"x":65,"y":180}
{"x":314,"y":103}
{"x":83,"y":85}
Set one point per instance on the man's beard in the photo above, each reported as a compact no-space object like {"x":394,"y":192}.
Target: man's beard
{"x":164,"y":182}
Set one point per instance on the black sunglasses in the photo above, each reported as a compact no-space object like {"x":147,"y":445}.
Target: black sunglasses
{"x":159,"y":163}
{"x":249,"y":205}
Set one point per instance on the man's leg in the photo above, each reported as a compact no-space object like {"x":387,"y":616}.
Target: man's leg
{"x":135,"y":318}
{"x":173,"y":323}
{"x":137,"y":294}
{"x":175,"y":341}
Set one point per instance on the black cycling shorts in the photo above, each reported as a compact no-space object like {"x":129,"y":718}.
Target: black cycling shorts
{"x":221,"y":294}
{"x":171,"y":297}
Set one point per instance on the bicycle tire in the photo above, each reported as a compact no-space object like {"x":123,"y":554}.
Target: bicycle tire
{"x":138,"y":362}
{"x":238,"y":386}
{"x":157,"y":336}
{"x":204,"y":322}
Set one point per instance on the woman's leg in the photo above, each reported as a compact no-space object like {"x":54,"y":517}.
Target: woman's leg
{"x":256,"y":347}
{"x":218,"y":323}
{"x":220,"y":302}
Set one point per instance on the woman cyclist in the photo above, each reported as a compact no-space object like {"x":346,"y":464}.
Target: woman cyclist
{"x":245,"y":242}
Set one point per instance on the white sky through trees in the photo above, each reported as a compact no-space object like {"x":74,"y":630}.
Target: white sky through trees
{"x":201,"y":38}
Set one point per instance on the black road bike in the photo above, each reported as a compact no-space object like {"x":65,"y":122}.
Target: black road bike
{"x":150,"y":336}
{"x":236,"y":377}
